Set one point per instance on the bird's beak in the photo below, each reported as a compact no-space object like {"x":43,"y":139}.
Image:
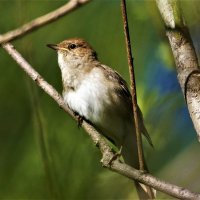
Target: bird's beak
{"x":53,"y":46}
{"x":56,"y":47}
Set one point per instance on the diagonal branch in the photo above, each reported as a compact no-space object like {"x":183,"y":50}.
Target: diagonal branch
{"x":185,"y":57}
{"x":107,"y":153}
{"x":41,"y":21}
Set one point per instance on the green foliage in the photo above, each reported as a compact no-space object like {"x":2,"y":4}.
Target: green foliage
{"x":43,"y":154}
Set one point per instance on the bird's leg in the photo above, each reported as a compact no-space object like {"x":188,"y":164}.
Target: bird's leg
{"x":79,"y":119}
{"x":116,"y":155}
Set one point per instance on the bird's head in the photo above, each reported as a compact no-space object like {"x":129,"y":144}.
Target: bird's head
{"x":73,"y":51}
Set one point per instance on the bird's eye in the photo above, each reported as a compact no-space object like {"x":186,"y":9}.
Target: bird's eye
{"x":72,"y":46}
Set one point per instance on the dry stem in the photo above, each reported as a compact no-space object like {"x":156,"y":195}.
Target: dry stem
{"x":41,"y":21}
{"x":133,"y":86}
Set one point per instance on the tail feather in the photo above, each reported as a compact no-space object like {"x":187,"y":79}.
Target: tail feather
{"x":129,"y":153}
{"x":143,"y":128}
{"x":144,"y":191}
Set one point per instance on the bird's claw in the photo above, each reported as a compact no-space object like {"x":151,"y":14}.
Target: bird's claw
{"x":143,"y":171}
{"x":80,"y":121}
{"x":116,"y":155}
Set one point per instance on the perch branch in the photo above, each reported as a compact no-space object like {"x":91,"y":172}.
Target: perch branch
{"x":107,"y":153}
{"x":41,"y":21}
{"x":133,"y":86}
{"x":185,"y":57}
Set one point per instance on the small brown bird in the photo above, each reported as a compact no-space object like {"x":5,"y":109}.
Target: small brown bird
{"x":100,"y":95}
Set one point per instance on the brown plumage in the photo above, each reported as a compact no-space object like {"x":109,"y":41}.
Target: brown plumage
{"x":100,"y":95}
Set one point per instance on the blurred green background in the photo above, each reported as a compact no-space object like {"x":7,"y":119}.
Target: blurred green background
{"x":43,"y":154}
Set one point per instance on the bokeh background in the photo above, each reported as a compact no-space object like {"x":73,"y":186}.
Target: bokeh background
{"x":43,"y":154}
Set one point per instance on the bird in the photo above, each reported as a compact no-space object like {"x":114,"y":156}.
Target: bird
{"x":100,"y":95}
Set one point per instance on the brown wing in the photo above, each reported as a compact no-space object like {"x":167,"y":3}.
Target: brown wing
{"x":122,"y":90}
{"x":120,"y":83}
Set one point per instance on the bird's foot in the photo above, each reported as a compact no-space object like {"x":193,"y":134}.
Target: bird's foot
{"x":79,"y":119}
{"x":116,"y":155}
{"x":143,"y":171}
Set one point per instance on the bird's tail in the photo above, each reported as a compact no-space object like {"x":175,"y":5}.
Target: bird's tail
{"x":129,"y":153}
{"x":144,"y":191}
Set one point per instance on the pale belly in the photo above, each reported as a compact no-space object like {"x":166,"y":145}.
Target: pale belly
{"x":93,"y":102}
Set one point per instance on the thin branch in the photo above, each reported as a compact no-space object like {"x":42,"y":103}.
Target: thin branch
{"x":107,"y":153}
{"x":41,"y":21}
{"x":133,"y":86}
{"x":185,"y":57}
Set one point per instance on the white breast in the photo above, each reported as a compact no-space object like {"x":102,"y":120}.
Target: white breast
{"x":90,"y":97}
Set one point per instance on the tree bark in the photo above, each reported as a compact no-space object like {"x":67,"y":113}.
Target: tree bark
{"x":185,"y":57}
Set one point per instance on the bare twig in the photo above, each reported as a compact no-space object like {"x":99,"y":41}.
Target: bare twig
{"x":133,"y":86}
{"x":142,"y":166}
{"x":107,"y":153}
{"x":185,"y":57}
{"x":41,"y":21}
